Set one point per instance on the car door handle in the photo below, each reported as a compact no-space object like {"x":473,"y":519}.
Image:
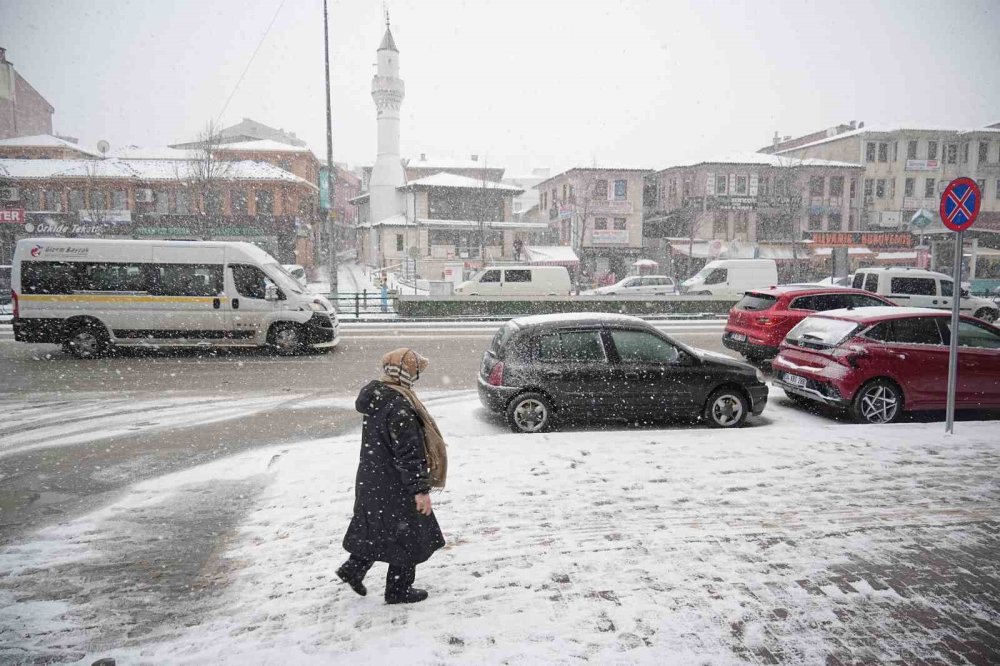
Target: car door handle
{"x":934,"y":302}
{"x":631,"y":375}
{"x":236,"y":304}
{"x":551,"y":373}
{"x":216,"y":303}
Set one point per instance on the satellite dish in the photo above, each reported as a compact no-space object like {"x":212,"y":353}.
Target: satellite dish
{"x":103,"y":146}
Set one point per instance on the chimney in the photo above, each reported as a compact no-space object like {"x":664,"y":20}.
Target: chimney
{"x":423,"y":157}
{"x":776,"y":140}
{"x":475,"y":158}
{"x":853,"y":124}
{"x":861,"y":124}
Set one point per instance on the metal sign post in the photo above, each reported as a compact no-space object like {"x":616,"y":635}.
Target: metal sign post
{"x":960,"y":203}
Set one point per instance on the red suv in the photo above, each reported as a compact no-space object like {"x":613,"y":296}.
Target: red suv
{"x":878,"y":362}
{"x":762,"y":319}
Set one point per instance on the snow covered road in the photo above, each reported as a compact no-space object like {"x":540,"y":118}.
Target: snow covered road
{"x":797,"y":540}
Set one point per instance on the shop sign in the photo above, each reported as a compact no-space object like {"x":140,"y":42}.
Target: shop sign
{"x":12,"y":216}
{"x":105,"y":216}
{"x":164,"y":231}
{"x":51,"y":226}
{"x":923,"y":165}
{"x":609,"y":236}
{"x":870,"y":239}
{"x":736,"y":203}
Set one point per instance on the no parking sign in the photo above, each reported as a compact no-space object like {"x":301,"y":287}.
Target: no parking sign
{"x":960,"y":204}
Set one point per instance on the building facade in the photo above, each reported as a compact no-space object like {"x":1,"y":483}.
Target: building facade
{"x":599,"y":213}
{"x":23,"y":110}
{"x":117,"y":198}
{"x":749,"y":205}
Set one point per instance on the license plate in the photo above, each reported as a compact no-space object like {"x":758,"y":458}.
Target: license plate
{"x":795,"y":380}
{"x":738,"y":337}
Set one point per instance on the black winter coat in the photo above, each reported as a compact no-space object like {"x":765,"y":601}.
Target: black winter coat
{"x":386,"y":526}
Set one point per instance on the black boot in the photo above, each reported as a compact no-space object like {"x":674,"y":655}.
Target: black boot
{"x":409,"y":596}
{"x":353,"y":573}
{"x":399,"y":585}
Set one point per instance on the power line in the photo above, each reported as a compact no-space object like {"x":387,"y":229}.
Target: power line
{"x":250,"y":62}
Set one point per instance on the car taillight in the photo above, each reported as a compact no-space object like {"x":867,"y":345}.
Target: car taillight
{"x":13,"y":298}
{"x":768,"y":321}
{"x":496,"y":375}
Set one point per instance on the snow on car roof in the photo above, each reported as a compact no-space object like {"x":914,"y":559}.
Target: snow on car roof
{"x":880,"y":312}
{"x":576,"y":318}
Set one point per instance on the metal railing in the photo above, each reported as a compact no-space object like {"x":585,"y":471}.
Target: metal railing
{"x":365,"y":302}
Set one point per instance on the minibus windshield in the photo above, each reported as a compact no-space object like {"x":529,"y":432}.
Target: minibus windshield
{"x":282,"y":278}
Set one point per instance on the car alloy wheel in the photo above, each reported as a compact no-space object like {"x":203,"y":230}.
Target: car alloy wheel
{"x":987,"y":315}
{"x":727,"y":408}
{"x":878,"y":402}
{"x":287,"y":339}
{"x":529,"y":413}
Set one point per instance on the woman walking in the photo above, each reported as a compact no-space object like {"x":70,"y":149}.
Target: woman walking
{"x":402,"y":457}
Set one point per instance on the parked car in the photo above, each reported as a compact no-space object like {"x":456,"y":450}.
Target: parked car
{"x":877,"y":363}
{"x":296,"y":272}
{"x":517,"y":281}
{"x":922,"y":289}
{"x":731,"y":277}
{"x":762,"y":318}
{"x":5,"y":292}
{"x":603,"y":366}
{"x":657,"y":285}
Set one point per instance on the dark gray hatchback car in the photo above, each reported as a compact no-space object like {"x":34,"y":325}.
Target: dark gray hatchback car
{"x":610,"y":367}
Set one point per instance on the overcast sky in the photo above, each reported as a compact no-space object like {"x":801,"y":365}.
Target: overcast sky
{"x":525,"y":83}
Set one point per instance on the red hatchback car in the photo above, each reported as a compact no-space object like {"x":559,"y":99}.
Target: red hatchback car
{"x":762,"y":319}
{"x":880,"y":362}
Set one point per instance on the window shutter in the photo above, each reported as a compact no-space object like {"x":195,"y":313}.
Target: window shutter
{"x":753,"y":184}
{"x":710,"y":183}
{"x":732,"y":184}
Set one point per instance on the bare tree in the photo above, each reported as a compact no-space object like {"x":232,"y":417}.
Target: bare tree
{"x":785,"y":221}
{"x":203,"y":176}
{"x":487,"y":200}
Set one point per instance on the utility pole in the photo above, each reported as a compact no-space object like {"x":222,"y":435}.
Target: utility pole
{"x":331,"y":176}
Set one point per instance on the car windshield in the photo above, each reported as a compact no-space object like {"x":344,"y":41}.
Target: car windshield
{"x":282,"y":278}
{"x":822,"y":331}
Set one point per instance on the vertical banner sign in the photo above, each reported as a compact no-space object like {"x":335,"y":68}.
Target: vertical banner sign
{"x":960,"y":203}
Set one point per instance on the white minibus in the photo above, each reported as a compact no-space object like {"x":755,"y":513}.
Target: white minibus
{"x":91,"y":294}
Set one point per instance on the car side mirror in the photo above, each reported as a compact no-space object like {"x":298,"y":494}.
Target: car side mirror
{"x":965,"y":293}
{"x":271,"y":293}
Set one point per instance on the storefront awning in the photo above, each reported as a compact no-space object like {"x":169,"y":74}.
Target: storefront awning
{"x":551,"y":255}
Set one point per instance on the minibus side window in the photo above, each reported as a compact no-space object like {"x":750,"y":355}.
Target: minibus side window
{"x":47,"y":277}
{"x":111,"y":277}
{"x":187,"y":279}
{"x":251,"y":282}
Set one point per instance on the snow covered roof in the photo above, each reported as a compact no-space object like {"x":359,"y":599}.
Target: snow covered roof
{"x":394,"y":221}
{"x":451,"y":180}
{"x":445,"y":163}
{"x":596,"y":169}
{"x":45,"y":141}
{"x":489,"y":224}
{"x":764,"y":159}
{"x":140,"y":170}
{"x":263,"y":145}
{"x":894,"y":127}
{"x":560,"y":253}
{"x":153,"y":153}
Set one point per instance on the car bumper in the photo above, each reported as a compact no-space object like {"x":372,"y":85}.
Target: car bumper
{"x":821,"y":392}
{"x":322,"y":332}
{"x":748,"y":347}
{"x":758,"y":398}
{"x":495,"y":398}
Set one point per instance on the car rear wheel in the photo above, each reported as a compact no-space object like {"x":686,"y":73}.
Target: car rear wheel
{"x":878,"y":401}
{"x":529,"y":412}
{"x":87,"y":341}
{"x":726,"y":408}
{"x":986,"y":315}
{"x":286,"y":338}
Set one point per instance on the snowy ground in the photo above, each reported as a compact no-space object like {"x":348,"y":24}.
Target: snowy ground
{"x":797,"y":540}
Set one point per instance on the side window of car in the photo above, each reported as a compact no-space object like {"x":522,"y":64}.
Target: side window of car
{"x":517,"y":276}
{"x":972,"y":335}
{"x":862,"y":301}
{"x":913,"y":286}
{"x":871,"y":282}
{"x":804,"y":303}
{"x":916,"y":331}
{"x":881,"y":332}
{"x":859,"y":281}
{"x":571,"y":346}
{"x":250,"y":281}
{"x":947,"y":288}
{"x":490,"y":276}
{"x":643,"y":347}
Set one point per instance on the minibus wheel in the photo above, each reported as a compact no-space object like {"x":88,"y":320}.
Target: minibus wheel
{"x":286,"y":338}
{"x":86,"y":340}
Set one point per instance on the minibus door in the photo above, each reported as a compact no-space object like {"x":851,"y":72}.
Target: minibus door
{"x":189,"y":294}
{"x":248,"y":311}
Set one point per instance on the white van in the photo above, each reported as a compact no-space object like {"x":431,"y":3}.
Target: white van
{"x":916,"y":287}
{"x":517,"y":281}
{"x":90,"y":294}
{"x":731,"y":277}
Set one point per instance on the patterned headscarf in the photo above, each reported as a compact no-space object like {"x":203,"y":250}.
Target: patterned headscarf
{"x":403,"y":366}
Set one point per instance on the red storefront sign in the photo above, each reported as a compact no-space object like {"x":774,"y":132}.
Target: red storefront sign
{"x":11,"y":216}
{"x":869,"y":239}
